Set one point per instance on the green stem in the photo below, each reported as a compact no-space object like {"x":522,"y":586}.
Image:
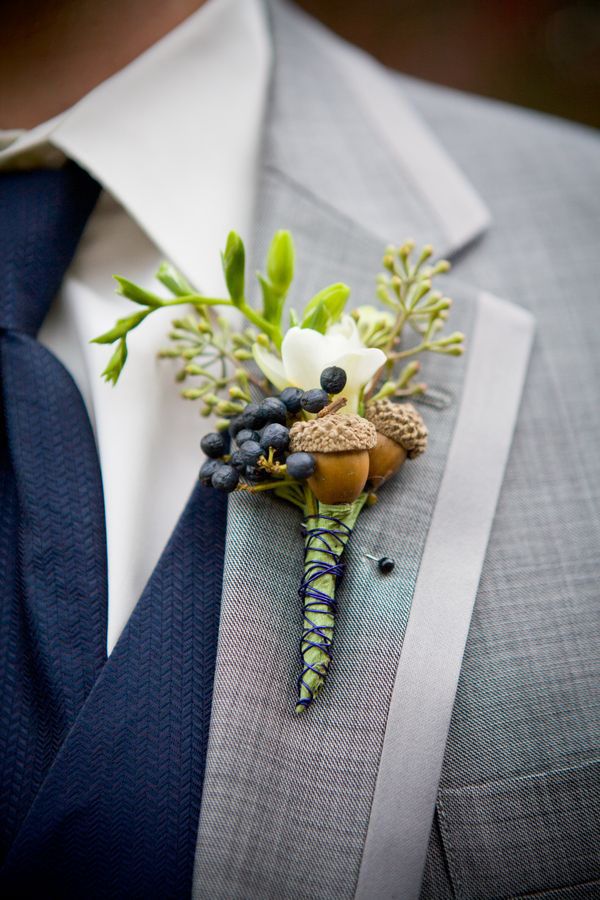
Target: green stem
{"x":271,"y":486}
{"x":271,"y":330}
{"x":328,"y":531}
{"x":404,"y":354}
{"x":200,"y":300}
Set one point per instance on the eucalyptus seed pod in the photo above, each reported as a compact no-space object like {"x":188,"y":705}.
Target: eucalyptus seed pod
{"x":340,"y":445}
{"x":401,"y":434}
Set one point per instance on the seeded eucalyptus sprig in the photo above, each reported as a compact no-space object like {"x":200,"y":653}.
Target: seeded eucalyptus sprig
{"x":207,"y":350}
{"x":405,"y":287}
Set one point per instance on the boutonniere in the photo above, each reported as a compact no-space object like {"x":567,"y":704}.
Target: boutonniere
{"x":318,"y":413}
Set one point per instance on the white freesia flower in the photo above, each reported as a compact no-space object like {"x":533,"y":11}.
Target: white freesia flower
{"x":305,"y":353}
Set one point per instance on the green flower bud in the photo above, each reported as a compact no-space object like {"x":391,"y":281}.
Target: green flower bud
{"x":237,"y":393}
{"x":280,"y":261}
{"x":192,"y":393}
{"x":234,"y":261}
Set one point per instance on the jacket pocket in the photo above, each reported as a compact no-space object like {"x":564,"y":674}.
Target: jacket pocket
{"x":534,"y":834}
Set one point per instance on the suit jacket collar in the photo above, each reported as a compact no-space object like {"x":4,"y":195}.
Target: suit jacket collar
{"x":340,"y":127}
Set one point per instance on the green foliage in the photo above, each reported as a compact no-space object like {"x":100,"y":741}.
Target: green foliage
{"x":273,"y":301}
{"x":116,"y":363}
{"x":234,"y":262}
{"x":207,"y":346}
{"x":280,"y":272}
{"x":136,"y":293}
{"x":280,"y":261}
{"x":121,"y":329}
{"x":326,"y":307}
{"x":173,"y":280}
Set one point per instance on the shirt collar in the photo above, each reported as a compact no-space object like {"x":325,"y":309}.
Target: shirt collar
{"x":175,"y":135}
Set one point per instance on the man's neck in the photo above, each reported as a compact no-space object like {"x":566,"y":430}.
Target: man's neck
{"x":52,"y":54}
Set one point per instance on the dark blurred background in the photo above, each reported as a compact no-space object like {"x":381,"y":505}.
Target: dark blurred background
{"x":544,"y":54}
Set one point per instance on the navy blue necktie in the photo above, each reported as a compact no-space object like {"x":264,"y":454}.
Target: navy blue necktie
{"x":101,"y":762}
{"x":52,"y":534}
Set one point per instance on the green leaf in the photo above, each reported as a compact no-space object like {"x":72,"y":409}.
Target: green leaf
{"x":116,"y":362}
{"x":280,"y":261}
{"x":326,"y":307}
{"x":122,"y":327}
{"x":273,"y":301}
{"x":137,"y":294}
{"x":294,"y":320}
{"x":234,"y":261}
{"x":173,"y":280}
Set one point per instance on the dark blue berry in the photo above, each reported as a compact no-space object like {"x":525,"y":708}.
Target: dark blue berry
{"x":249,"y":418}
{"x":252,"y":415}
{"x":276,"y":436}
{"x":214,"y":445}
{"x":207,"y":471}
{"x":300,"y":465}
{"x":251,"y":452}
{"x":291,"y":396}
{"x":235,"y":425}
{"x":272,"y":409}
{"x":314,"y":401}
{"x":237,"y":460}
{"x":226,"y":479}
{"x":333,"y":380}
{"x":246,"y":434}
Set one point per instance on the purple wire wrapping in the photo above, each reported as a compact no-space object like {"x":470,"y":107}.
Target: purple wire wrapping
{"x":319,"y":539}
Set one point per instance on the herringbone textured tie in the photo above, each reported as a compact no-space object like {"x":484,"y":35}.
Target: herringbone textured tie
{"x":101,"y":763}
{"x":52,"y":537}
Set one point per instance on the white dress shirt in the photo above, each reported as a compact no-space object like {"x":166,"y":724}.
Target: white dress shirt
{"x":174,"y":140}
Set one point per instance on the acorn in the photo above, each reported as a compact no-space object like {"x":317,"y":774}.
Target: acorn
{"x":340,"y":445}
{"x":401,"y":434}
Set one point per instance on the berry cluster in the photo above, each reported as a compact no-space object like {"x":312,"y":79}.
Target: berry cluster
{"x":261,"y":434}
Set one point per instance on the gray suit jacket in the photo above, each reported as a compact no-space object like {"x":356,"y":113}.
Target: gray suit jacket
{"x":364,"y":796}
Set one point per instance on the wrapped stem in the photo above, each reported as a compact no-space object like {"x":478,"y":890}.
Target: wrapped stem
{"x":326,"y":534}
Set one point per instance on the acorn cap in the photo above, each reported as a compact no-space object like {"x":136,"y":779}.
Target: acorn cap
{"x":401,"y":423}
{"x":333,"y":433}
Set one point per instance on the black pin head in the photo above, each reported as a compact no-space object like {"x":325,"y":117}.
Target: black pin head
{"x":385,"y":564}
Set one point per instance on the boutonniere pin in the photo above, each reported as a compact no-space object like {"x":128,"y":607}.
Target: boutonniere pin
{"x":317,"y":414}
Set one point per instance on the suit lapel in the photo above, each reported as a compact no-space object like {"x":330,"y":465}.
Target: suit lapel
{"x":301,"y":788}
{"x":340,"y":129}
{"x":287,"y":800}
